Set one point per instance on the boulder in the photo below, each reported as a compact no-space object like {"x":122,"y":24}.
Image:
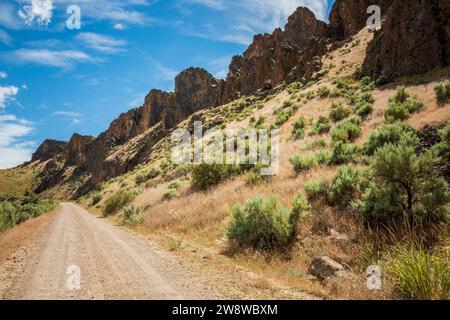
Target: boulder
{"x":325,"y":267}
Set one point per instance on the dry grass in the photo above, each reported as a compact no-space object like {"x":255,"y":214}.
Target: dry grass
{"x":24,"y":233}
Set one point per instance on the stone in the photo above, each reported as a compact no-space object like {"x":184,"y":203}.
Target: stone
{"x":325,"y":267}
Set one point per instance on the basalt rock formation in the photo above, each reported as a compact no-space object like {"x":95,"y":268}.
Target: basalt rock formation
{"x":414,"y":39}
{"x":349,"y":17}
{"x":49,"y":149}
{"x":278,"y":57}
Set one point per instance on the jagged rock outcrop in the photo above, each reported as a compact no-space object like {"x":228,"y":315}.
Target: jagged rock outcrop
{"x":348,"y":17}
{"x":414,"y":39}
{"x":278,"y":57}
{"x":49,"y":149}
{"x":76,"y":149}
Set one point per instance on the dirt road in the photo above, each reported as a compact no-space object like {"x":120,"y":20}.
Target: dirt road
{"x":106,"y":262}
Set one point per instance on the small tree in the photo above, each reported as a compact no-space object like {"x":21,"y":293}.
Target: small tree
{"x":404,"y":185}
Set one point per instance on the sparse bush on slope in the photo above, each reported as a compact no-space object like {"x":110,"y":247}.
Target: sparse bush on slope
{"x":346,"y":185}
{"x":117,"y":201}
{"x":265,"y":224}
{"x":442,"y":91}
{"x":404,"y":186}
{"x":401,"y":106}
{"x":390,"y":133}
{"x":339,"y":112}
{"x":205,"y":175}
{"x":16,"y":212}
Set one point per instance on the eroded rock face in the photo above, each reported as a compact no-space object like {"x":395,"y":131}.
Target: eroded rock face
{"x":49,"y":149}
{"x":76,"y":149}
{"x":277,"y":57}
{"x":348,"y":17}
{"x":413,"y":40}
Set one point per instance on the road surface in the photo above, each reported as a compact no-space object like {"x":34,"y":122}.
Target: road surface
{"x":80,"y":256}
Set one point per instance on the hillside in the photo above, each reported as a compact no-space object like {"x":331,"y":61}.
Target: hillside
{"x":341,"y":76}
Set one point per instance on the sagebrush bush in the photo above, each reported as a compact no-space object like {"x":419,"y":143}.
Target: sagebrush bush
{"x":303,"y":164}
{"x":343,"y":153}
{"x":142,"y":178}
{"x":323,"y":92}
{"x":174,"y":184}
{"x":323,"y":125}
{"x":390,"y":134}
{"x":132,"y":214}
{"x":347,"y":131}
{"x":339,"y":112}
{"x":442,"y":91}
{"x":205,"y":175}
{"x":298,"y":130}
{"x":169,"y":194}
{"x":117,"y":202}
{"x":316,"y":189}
{"x":265,"y":224}
{"x":401,"y":106}
{"x":420,"y":275}
{"x":323,"y":157}
{"x":364,"y":109}
{"x":96,"y":198}
{"x":16,"y":212}
{"x":404,"y":186}
{"x":346,"y":185}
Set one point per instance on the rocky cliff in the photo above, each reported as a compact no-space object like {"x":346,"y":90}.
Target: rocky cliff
{"x":414,"y":38}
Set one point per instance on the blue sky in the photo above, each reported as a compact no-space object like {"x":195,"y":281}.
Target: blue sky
{"x":55,"y":81}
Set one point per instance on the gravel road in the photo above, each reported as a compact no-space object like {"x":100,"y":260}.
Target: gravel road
{"x":112,"y":264}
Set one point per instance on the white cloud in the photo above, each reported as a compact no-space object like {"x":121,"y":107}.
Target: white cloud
{"x":119,"y":26}
{"x":7,"y":93}
{"x":5,"y":38}
{"x":3,"y":75}
{"x":52,"y":58}
{"x":67,"y":114}
{"x":102,"y":43}
{"x":40,"y":11}
{"x":8,"y":17}
{"x":13,"y":151}
{"x":117,"y":11}
{"x":246,"y":18}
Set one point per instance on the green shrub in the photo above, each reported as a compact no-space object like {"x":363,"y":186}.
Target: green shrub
{"x":205,"y":175}
{"x":142,"y":178}
{"x":175,"y":184}
{"x":282,"y":116}
{"x":343,"y":153}
{"x":298,"y":131}
{"x":315,"y":144}
{"x":254,"y":177}
{"x":442,"y":92}
{"x":96,"y":199}
{"x":117,"y":201}
{"x":401,"y":106}
{"x":322,"y":126}
{"x":390,"y":134}
{"x":347,"y":131}
{"x":419,"y":274}
{"x":364,"y":109}
{"x":367,"y":84}
{"x":404,"y":185}
{"x":132,"y":214}
{"x":13,"y":212}
{"x":339,"y":112}
{"x":316,"y":189}
{"x":323,"y":92}
{"x":323,"y":157}
{"x":346,"y":185}
{"x":169,"y":194}
{"x":265,"y":224}
{"x":303,"y":164}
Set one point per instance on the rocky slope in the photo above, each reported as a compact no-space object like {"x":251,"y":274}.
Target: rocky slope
{"x":414,"y":39}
